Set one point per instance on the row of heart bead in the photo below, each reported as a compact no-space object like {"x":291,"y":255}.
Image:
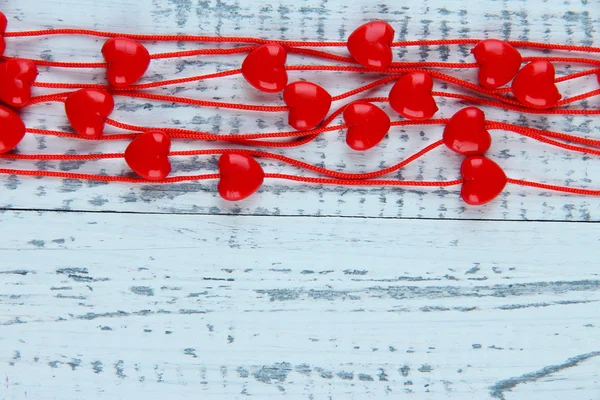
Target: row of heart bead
{"x":309,"y":103}
{"x":465,"y":134}
{"x":370,"y":45}
{"x":264,"y":68}
{"x":127,"y":61}
{"x":241,"y":175}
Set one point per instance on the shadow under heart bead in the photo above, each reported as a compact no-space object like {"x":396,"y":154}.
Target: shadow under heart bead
{"x":370,"y":44}
{"x":12,"y":129}
{"x":264,"y":68}
{"x":87,"y":110}
{"x":127,"y":61}
{"x":367,"y":125}
{"x":241,"y":176}
{"x":498,"y":62}
{"x":309,"y":104}
{"x":534,"y":85}
{"x":16,"y":77}
{"x":465,"y":133}
{"x":148,"y":155}
{"x":411,"y":96}
{"x":483,"y":180}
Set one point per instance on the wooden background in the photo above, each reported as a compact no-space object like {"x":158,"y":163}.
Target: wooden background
{"x":119,"y":291}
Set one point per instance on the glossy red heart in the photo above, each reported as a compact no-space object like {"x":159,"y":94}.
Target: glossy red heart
{"x":483,"y":180}
{"x":3,"y":23}
{"x":534,"y":85}
{"x":241,"y":176}
{"x":127,"y":61}
{"x":147,"y":155}
{"x":16,"y":76}
{"x":465,"y":133}
{"x":498,"y":62}
{"x":264,"y":68}
{"x":308,"y":103}
{"x":367,"y":125}
{"x":411,"y":96}
{"x":12,"y":129}
{"x":87,"y":109}
{"x":370,"y":43}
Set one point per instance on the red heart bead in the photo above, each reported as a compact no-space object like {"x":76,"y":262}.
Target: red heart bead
{"x":13,"y":129}
{"x":370,"y":43}
{"x":308,"y":103}
{"x":367,"y":125}
{"x":264,"y":68}
{"x":483,"y":180}
{"x":411,"y":96}
{"x":3,"y":23}
{"x":498,"y":62}
{"x":465,"y":133}
{"x":127,"y":61}
{"x":16,"y":76}
{"x":534,"y":85}
{"x":241,"y":176}
{"x":147,"y":155}
{"x":87,"y":109}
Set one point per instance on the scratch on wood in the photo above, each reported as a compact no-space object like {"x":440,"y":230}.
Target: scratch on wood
{"x":506,"y":385}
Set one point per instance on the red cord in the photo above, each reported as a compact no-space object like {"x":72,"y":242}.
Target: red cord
{"x":251,"y":138}
{"x":321,"y":181}
{"x":507,"y":102}
{"x":565,"y":189}
{"x":254,"y":153}
{"x":52,"y":85}
{"x":395,"y":71}
{"x":105,"y":178}
{"x":213,"y":39}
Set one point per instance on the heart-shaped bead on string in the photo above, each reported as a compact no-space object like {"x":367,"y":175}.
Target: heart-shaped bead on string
{"x":483,"y":180}
{"x":147,"y":155}
{"x":264,"y":68}
{"x":3,"y":23}
{"x":367,"y":125}
{"x":12,"y":129}
{"x":534,"y":85}
{"x":308,"y":104}
{"x":411,"y":96}
{"x":498,"y":62}
{"x":87,"y":110}
{"x":127,"y":61}
{"x":466,"y":134}
{"x":16,"y":77}
{"x":240,"y":176}
{"x":370,"y":43}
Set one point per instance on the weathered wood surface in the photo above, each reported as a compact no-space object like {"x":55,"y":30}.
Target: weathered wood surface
{"x":116,"y":298}
{"x":126,"y":306}
{"x":566,"y":22}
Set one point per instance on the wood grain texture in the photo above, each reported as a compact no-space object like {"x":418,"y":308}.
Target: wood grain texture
{"x":125,"y":306}
{"x":573,"y":22}
{"x":117,"y":297}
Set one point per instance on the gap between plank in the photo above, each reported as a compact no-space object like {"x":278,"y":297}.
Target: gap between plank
{"x":50,"y":210}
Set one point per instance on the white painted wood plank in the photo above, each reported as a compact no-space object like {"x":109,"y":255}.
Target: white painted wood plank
{"x":121,"y":306}
{"x":559,"y":22}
